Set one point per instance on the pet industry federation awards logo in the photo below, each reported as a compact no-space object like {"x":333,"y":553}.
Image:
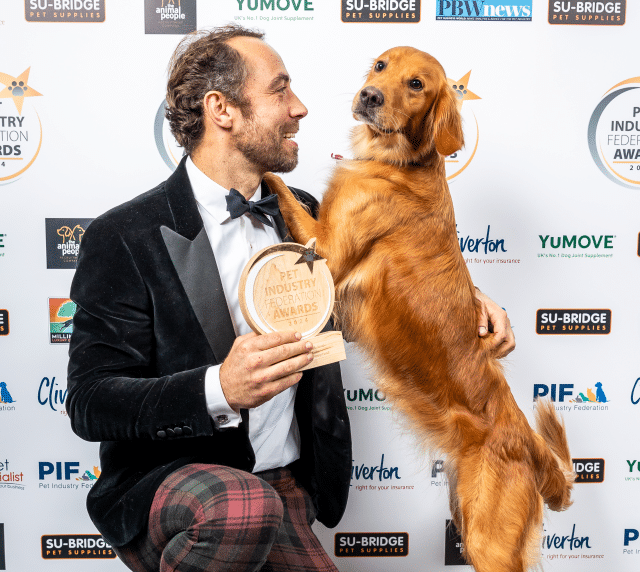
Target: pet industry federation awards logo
{"x":166,"y":143}
{"x":460,"y":160}
{"x":614,"y":134}
{"x":169,"y":16}
{"x":20,"y":126}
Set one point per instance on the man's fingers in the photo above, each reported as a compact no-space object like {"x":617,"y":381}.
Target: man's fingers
{"x":267,"y":341}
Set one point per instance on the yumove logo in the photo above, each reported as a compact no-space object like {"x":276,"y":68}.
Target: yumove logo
{"x":483,"y":10}
{"x":600,"y":243}
{"x":378,"y":474}
{"x":275,"y":10}
{"x":371,"y":395}
{"x":633,"y":466}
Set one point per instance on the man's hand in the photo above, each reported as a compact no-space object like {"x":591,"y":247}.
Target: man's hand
{"x":259,"y":367}
{"x":504,"y":341}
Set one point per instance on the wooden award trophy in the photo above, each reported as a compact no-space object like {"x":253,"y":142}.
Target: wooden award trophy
{"x":288,"y":287}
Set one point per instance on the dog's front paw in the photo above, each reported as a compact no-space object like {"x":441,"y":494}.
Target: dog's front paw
{"x":275,"y":184}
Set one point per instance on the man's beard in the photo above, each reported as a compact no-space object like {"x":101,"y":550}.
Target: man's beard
{"x":266,"y":148}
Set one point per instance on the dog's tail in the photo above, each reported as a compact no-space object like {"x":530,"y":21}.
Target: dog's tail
{"x":555,"y":472}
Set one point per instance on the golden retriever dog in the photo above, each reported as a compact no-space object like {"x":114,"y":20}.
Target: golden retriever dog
{"x":387,"y":229}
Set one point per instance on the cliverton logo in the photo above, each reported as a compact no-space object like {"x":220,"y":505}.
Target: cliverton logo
{"x":483,"y":246}
{"x":52,"y":394}
{"x":61,"y":312}
{"x":573,"y":322}
{"x":589,"y":470}
{"x":376,"y":477}
{"x":613,"y":134}
{"x":4,"y":322}
{"x":592,"y":246}
{"x":579,"y":547}
{"x":64,"y":10}
{"x":487,"y":10}
{"x":75,"y":546}
{"x":572,"y":12}
{"x":353,"y":544}
{"x":381,"y":11}
{"x":169,"y":16}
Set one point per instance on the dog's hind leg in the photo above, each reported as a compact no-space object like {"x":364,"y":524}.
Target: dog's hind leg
{"x":501,"y":512}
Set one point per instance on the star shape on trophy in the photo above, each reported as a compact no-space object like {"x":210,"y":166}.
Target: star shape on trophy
{"x":309,"y":255}
{"x":17,"y":88}
{"x":461,"y":90}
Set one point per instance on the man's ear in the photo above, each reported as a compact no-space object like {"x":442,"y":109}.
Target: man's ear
{"x":218,"y":109}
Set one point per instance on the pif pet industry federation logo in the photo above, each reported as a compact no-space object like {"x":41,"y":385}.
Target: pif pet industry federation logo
{"x":460,"y":160}
{"x":63,"y":236}
{"x":64,"y":10}
{"x":614,"y":134}
{"x":376,"y":11}
{"x":61,"y":312}
{"x":169,"y":16}
{"x":491,"y":10}
{"x":20,"y":127}
{"x":75,"y":546}
{"x":605,"y":13}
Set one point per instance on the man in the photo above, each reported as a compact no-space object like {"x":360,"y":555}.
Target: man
{"x":163,"y":369}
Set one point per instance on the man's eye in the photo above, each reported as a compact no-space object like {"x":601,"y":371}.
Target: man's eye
{"x":379,"y":66}
{"x":415,"y":84}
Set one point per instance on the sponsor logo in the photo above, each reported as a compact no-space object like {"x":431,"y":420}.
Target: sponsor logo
{"x":51,"y":394}
{"x":614,"y":134}
{"x":4,"y":236}
{"x":63,"y":236}
{"x":576,"y":246}
{"x":438,"y":476}
{"x":578,"y":547}
{"x":631,"y":535}
{"x":370,"y":399}
{"x":635,"y":392}
{"x":5,"y":398}
{"x":589,"y":470}
{"x":10,"y":478}
{"x":4,"y":322}
{"x":484,"y":245}
{"x":605,"y":13}
{"x":75,"y":546}
{"x":488,"y":10}
{"x":633,"y":465}
{"x":169,"y":16}
{"x":585,"y":400}
{"x":64,"y":10}
{"x":455,"y":164}
{"x":370,"y":11}
{"x":166,"y":143}
{"x":453,"y":546}
{"x":371,"y":544}
{"x":66,"y":471}
{"x":61,"y":312}
{"x":3,"y":560}
{"x":21,"y":133}
{"x":583,"y":322}
{"x":376,"y":478}
{"x":282,"y":10}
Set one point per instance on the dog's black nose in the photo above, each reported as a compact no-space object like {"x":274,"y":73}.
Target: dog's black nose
{"x":371,"y":97}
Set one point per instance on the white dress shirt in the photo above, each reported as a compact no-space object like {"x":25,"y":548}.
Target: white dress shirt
{"x":273,"y":429}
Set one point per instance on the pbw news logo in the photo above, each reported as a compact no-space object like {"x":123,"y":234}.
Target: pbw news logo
{"x":493,"y":10}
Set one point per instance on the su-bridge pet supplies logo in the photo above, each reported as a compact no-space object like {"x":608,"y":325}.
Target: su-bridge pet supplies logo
{"x":614,"y":134}
{"x":576,"y":322}
{"x":64,"y":10}
{"x":169,"y":16}
{"x":4,"y":322}
{"x":381,"y":11}
{"x":20,"y":126}
{"x":572,"y":12}
{"x":487,"y":10}
{"x":75,"y":546}
{"x":371,"y":544}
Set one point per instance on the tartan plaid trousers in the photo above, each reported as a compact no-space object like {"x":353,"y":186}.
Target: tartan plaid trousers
{"x":219,"y":519}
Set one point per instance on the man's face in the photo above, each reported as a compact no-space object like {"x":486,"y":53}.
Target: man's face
{"x":265,"y":134}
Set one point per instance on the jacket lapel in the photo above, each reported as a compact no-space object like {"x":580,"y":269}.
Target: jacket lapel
{"x":193,"y":259}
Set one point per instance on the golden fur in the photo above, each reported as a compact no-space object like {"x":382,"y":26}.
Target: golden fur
{"x":387,"y":229}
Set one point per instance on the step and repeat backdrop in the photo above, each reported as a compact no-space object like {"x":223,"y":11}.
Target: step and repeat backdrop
{"x":547,"y":197}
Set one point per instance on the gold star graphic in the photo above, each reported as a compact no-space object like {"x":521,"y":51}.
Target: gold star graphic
{"x":461,"y":89}
{"x":17,"y":88}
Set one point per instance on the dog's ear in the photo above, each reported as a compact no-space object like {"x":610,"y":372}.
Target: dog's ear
{"x":447,"y":124}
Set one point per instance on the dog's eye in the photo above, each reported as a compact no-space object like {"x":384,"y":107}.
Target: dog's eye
{"x":415,"y":84}
{"x":379,"y":66}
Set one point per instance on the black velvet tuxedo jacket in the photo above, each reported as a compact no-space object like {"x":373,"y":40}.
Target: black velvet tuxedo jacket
{"x":151,"y":318}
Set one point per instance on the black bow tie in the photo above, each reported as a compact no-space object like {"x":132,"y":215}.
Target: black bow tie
{"x":237,"y":205}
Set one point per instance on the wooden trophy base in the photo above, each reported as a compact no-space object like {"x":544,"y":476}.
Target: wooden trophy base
{"x":328,"y":347}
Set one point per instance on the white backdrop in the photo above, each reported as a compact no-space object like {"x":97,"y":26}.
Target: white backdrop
{"x":88,"y":143}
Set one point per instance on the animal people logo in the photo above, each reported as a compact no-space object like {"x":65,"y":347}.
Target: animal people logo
{"x":169,"y":16}
{"x":453,"y":546}
{"x":9,"y":476}
{"x":64,"y":10}
{"x":488,"y":10}
{"x":61,"y":312}
{"x":63,"y":236}
{"x":370,"y":11}
{"x":614,"y":134}
{"x":605,"y":13}
{"x":6,"y":399}
{"x":460,"y":160}
{"x":582,"y":322}
{"x":21,"y":132}
{"x":371,"y":544}
{"x":75,"y":546}
{"x":4,"y":322}
{"x":589,"y":470}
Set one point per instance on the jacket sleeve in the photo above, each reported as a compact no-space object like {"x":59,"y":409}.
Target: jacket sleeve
{"x":113,"y":391}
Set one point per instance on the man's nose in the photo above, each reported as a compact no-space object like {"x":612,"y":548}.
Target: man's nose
{"x":297,"y":108}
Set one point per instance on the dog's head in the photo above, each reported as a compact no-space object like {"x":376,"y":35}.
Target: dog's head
{"x":408,"y":109}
